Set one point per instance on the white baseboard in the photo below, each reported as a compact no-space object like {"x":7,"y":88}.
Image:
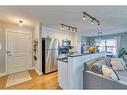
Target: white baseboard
{"x":32,"y":68}
{"x":39,"y":73}
{"x":2,"y":74}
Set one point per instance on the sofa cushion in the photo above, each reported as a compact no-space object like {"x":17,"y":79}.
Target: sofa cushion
{"x":123,"y":63}
{"x":120,"y":61}
{"x":125,"y":60}
{"x":107,"y":61}
{"x":110,"y":73}
{"x":123,"y":76}
{"x":90,"y":63}
{"x":117,"y":65}
{"x":97,"y":66}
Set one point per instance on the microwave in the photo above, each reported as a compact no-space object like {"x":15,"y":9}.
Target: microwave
{"x":66,"y":43}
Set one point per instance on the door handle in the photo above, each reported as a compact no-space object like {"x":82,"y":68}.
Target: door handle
{"x":8,"y":52}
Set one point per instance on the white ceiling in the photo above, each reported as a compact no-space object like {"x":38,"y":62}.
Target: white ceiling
{"x":112,"y":18}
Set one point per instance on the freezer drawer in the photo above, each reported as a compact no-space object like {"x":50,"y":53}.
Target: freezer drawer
{"x":51,"y":60}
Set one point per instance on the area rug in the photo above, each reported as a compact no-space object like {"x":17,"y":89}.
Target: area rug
{"x":17,"y":78}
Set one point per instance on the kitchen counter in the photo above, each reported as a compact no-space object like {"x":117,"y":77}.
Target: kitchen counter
{"x":65,"y":59}
{"x":76,"y":55}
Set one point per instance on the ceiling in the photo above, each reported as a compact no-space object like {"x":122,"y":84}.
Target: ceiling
{"x":112,"y":18}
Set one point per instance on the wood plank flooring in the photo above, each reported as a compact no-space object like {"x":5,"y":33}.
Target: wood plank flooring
{"x":48,"y":81}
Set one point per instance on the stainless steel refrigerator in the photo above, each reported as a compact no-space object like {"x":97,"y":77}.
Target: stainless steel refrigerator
{"x":50,"y":51}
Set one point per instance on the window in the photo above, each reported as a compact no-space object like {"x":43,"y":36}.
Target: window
{"x":111,"y":46}
{"x":108,"y":45}
{"x":102,"y":46}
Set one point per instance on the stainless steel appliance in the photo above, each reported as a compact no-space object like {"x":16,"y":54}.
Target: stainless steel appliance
{"x":66,"y":46}
{"x":66,"y":43}
{"x":50,"y":50}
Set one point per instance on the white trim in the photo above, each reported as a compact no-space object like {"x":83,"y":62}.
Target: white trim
{"x":15,"y":31}
{"x":19,"y":31}
{"x":2,"y":74}
{"x":6,"y":53}
{"x":32,"y":68}
{"x":38,"y":72}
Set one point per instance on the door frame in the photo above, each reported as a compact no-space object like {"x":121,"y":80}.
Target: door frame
{"x":16,"y":31}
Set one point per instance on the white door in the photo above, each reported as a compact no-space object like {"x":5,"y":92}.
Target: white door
{"x":19,"y":52}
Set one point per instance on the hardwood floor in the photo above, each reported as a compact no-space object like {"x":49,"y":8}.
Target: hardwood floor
{"x":48,"y":81}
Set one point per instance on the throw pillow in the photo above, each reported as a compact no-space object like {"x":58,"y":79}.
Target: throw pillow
{"x":97,"y":67}
{"x":123,"y":63}
{"x":117,"y":65}
{"x":107,"y":62}
{"x":121,"y":60}
{"x":108,"y":72}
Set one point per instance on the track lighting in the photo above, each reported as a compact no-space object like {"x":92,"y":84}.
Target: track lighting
{"x":91,"y":17}
{"x":69,"y":27}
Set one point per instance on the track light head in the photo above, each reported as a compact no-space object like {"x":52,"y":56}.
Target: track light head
{"x":92,"y":21}
{"x":68,"y":28}
{"x":62,"y":27}
{"x":75,"y":30}
{"x":84,"y":17}
{"x":98,"y":23}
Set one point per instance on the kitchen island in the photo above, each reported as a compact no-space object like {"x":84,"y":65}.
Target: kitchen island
{"x":70,"y":69}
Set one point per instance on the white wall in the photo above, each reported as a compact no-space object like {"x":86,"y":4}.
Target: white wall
{"x":79,"y":42}
{"x":37,"y":36}
{"x":53,"y":33}
{"x":2,"y":50}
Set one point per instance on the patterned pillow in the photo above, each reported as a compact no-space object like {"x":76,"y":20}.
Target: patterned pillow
{"x":97,"y":67}
{"x":117,"y":65}
{"x":107,"y":61}
{"x":120,"y":60}
{"x":123,"y":63}
{"x":110,"y":73}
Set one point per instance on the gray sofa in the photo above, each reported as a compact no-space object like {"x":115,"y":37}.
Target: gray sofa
{"x":92,"y":80}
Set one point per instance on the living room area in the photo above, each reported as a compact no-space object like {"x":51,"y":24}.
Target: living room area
{"x":107,"y":72}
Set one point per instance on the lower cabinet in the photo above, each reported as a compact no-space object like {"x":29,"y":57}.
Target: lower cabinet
{"x":63,"y":74}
